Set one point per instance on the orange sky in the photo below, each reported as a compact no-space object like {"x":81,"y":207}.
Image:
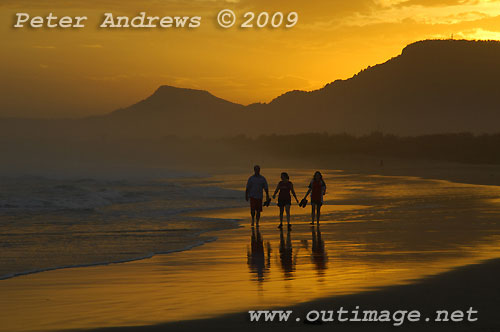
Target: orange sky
{"x":72,"y":73}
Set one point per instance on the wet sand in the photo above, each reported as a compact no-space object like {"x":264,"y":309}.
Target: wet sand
{"x":473,"y":286}
{"x":379,"y":238}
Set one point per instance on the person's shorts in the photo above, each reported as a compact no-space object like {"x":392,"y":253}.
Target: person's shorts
{"x":317,"y":203}
{"x":284,"y":201}
{"x":256,"y":204}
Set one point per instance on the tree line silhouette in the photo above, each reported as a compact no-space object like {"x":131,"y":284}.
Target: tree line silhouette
{"x":454,"y":147}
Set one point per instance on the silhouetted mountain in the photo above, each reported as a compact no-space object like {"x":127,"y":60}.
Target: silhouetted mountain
{"x":434,"y":86}
{"x":174,"y":111}
{"x":170,"y":100}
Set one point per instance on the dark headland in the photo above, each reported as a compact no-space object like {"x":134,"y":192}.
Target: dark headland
{"x":437,"y":100}
{"x":433,"y":86}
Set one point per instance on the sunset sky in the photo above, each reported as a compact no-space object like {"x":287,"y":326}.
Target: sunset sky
{"x":78,"y":72}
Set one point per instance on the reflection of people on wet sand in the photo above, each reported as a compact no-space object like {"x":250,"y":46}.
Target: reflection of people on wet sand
{"x":256,"y":255}
{"x":256,"y":183}
{"x":285,"y":187}
{"x":318,"y":254}
{"x":286,"y":254}
{"x":317,"y":188}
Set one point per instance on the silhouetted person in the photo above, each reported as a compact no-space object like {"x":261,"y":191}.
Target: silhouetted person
{"x":317,"y":188}
{"x":256,"y":257}
{"x":256,"y":183}
{"x":286,"y":253}
{"x":285,"y":186}
{"x":318,"y":253}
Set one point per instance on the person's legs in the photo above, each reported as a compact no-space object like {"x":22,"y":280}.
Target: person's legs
{"x":318,"y":212}
{"x":252,"y":212}
{"x":287,"y":208}
{"x":313,"y":212}
{"x":255,"y":209}
{"x":281,"y":214}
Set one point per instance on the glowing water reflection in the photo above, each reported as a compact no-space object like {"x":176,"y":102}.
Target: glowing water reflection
{"x":375,"y":231}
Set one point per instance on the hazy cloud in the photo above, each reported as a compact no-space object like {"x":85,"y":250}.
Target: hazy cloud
{"x":118,"y":77}
{"x":91,"y":46}
{"x":107,"y":69}
{"x":450,"y":14}
{"x":479,"y":34}
{"x":44,"y":47}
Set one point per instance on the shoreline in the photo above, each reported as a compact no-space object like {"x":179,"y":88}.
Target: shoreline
{"x":473,"y":285}
{"x":481,"y":294}
{"x":460,"y":173}
{"x":149,"y":256}
{"x":370,"y":283}
{"x":202,"y":240}
{"x":477,"y":174}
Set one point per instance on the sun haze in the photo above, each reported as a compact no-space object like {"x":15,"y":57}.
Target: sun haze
{"x":55,"y":72}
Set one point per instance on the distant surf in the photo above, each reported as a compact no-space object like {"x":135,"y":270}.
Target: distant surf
{"x":48,"y":224}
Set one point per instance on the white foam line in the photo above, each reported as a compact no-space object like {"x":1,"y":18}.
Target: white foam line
{"x":189,"y":247}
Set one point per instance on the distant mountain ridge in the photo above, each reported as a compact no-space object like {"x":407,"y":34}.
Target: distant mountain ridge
{"x":433,"y":86}
{"x":168,"y":98}
{"x":175,"y":111}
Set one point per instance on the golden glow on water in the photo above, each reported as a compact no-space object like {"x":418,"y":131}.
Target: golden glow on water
{"x":414,"y":229}
{"x":241,"y":213}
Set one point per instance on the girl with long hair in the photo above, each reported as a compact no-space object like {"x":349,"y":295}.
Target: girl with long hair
{"x":317,"y":189}
{"x":285,"y":187}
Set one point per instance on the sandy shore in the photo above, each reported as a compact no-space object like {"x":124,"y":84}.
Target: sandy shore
{"x":440,"y":170}
{"x":473,"y":286}
{"x":385,"y":243}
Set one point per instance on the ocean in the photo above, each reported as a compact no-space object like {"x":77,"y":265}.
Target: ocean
{"x":376,"y":231}
{"x":48,"y":223}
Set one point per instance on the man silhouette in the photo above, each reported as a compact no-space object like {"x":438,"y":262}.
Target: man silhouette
{"x":256,"y":183}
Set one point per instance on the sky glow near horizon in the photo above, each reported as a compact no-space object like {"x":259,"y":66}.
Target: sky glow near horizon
{"x":78,"y":72}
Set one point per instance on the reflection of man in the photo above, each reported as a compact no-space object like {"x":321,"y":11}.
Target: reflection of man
{"x":256,"y":183}
{"x":256,"y":258}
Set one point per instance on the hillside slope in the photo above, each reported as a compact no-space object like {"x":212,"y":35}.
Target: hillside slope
{"x":433,"y":86}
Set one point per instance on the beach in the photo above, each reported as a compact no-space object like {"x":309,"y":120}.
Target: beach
{"x":136,"y":136}
{"x":473,"y":286}
{"x":395,"y":242}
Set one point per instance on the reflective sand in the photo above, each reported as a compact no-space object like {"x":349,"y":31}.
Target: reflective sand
{"x":376,"y":231}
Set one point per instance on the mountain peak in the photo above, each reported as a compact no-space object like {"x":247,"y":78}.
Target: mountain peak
{"x":176,"y":101}
{"x":167,"y":96}
{"x":450,"y":47}
{"x":432,"y":86}
{"x":172,"y":91}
